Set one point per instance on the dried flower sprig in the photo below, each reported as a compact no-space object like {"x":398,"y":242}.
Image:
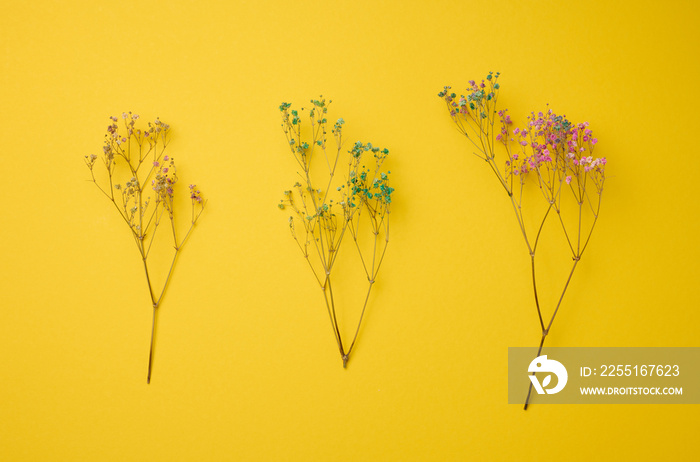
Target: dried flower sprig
{"x":140,"y":154}
{"x":554,"y":152}
{"x":319,"y":223}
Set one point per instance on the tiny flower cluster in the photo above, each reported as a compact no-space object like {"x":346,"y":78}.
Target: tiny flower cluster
{"x":559,"y":149}
{"x":358,"y":148}
{"x":90,"y":161}
{"x":291,"y":122}
{"x":164,"y":182}
{"x":195,"y":194}
{"x":476,"y":103}
{"x":155,"y":130}
{"x":363,"y":186}
{"x":366,"y":190}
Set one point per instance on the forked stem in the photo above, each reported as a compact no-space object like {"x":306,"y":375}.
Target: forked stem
{"x":549,"y":326}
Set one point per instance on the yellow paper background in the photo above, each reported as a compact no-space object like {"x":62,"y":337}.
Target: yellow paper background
{"x":246,"y":367}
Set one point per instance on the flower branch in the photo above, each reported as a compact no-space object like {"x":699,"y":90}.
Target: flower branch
{"x":553,"y":152}
{"x":319,"y":223}
{"x":131,"y":149}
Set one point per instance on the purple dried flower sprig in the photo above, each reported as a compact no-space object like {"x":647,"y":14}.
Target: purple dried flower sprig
{"x":552,"y":152}
{"x":140,"y":154}
{"x":319,"y":223}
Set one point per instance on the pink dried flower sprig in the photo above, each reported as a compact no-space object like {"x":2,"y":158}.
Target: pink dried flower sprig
{"x":164,"y":182}
{"x":195,"y":194}
{"x":140,"y":155}
{"x":550,"y":142}
{"x":556,"y":153}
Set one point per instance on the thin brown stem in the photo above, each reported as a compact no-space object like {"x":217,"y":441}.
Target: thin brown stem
{"x":534,"y":287}
{"x":529,"y":390}
{"x":334,"y":317}
{"x":336,"y":334}
{"x":150,"y":354}
{"x":566,"y":286}
{"x":148,"y":280}
{"x":357,"y":330}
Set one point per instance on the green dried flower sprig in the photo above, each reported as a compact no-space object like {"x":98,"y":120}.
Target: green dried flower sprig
{"x":319,"y":223}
